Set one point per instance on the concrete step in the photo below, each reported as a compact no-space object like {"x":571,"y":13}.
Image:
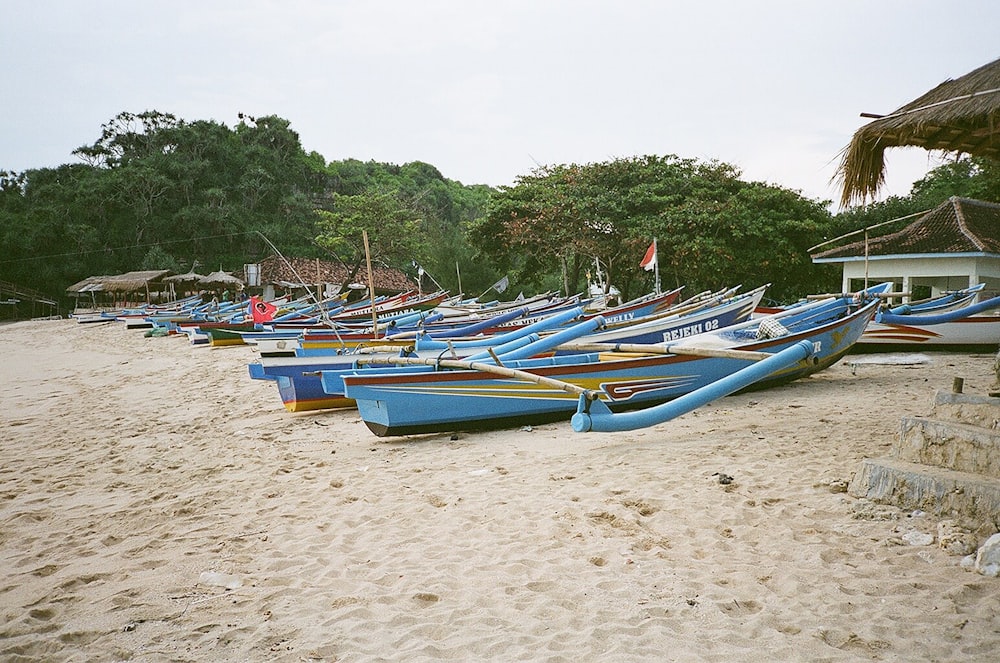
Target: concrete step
{"x":957,"y":446}
{"x":982,"y":411}
{"x":969,"y":498}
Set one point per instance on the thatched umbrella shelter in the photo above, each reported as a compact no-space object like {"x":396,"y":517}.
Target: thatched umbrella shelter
{"x":220,"y":280}
{"x":960,"y":115}
{"x":187,"y":277}
{"x":183,"y":282}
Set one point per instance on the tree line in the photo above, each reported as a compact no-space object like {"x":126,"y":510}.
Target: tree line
{"x":158,"y":192}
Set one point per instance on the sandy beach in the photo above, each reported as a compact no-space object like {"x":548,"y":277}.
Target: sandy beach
{"x":158,"y":505}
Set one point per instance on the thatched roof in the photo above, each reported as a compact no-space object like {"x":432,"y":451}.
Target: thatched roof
{"x":187,"y":277}
{"x":128,"y":282}
{"x":958,"y":225}
{"x":960,"y":115}
{"x":220,"y":279}
{"x":294,"y":272}
{"x":89,"y":284}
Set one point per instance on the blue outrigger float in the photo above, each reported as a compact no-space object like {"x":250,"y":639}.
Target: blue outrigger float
{"x":603,"y":385}
{"x":964,"y":329}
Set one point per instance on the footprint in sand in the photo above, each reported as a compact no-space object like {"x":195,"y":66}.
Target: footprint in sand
{"x":737,"y":608}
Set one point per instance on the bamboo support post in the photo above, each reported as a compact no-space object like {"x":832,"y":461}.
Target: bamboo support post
{"x":371,"y":283}
{"x":493,"y":355}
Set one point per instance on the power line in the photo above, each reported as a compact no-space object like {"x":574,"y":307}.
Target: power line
{"x":122,"y":248}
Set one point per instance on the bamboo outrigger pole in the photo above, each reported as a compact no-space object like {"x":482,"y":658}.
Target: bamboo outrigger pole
{"x":371,"y":284}
{"x":494,"y":369}
{"x":663,"y":349}
{"x":504,"y":371}
{"x":656,"y":268}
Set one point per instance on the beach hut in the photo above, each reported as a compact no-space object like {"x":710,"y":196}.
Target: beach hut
{"x":86,"y":290}
{"x":953,"y":246}
{"x":323,"y":276}
{"x":960,"y":115}
{"x":122,"y":289}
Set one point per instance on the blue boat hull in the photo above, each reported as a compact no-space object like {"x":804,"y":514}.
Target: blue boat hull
{"x":300,"y":386}
{"x":404,"y":403}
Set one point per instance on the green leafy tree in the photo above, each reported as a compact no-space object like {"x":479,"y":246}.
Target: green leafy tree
{"x":448,"y":253}
{"x":154,"y":188}
{"x":443,"y":207}
{"x":760,"y":234}
{"x":541,"y":222}
{"x":966,"y":177}
{"x":158,"y":258}
{"x":392,"y":227}
{"x":713,"y":229}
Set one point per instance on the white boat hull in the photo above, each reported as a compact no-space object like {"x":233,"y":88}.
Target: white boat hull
{"x":980,"y":332}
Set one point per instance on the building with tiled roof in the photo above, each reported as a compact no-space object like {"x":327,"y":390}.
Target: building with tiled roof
{"x":953,"y":246}
{"x":279,"y":273}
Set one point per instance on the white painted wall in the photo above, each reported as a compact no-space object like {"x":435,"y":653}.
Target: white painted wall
{"x":938,"y":273}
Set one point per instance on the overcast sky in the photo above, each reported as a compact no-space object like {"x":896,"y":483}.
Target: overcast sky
{"x":489,"y":90}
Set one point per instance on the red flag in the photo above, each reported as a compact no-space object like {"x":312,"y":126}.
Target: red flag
{"x":649,"y":260}
{"x":261,"y":311}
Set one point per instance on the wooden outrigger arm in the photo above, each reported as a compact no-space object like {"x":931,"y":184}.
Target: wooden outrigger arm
{"x":663,"y":349}
{"x":494,"y":369}
{"x":500,"y":370}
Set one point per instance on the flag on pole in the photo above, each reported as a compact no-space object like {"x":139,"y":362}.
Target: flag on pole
{"x":261,"y":311}
{"x":502,"y":284}
{"x":649,"y":260}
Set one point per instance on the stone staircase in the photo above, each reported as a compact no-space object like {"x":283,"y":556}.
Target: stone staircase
{"x":947,"y":464}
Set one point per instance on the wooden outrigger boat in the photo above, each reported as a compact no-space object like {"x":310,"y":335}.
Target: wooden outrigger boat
{"x":300,"y":387}
{"x":297,"y":323}
{"x":606,"y":380}
{"x":948,"y":301}
{"x":332,"y":340}
{"x":965,"y":329}
{"x":298,"y":377}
